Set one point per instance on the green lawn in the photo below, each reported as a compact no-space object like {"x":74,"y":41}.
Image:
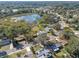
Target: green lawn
{"x":18,"y":54}
{"x":37,"y":47}
{"x":72,"y":43}
{"x":62,"y":54}
{"x":7,"y":47}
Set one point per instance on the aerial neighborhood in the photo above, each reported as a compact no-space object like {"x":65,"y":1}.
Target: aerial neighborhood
{"x":39,"y":29}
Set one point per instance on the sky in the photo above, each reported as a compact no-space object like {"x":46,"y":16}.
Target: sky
{"x":39,"y":0}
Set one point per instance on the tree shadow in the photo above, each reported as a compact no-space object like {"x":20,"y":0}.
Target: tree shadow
{"x":17,"y":45}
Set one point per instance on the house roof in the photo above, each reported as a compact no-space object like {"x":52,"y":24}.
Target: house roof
{"x":53,"y":47}
{"x":5,"y":42}
{"x":40,"y":32}
{"x":62,"y":41}
{"x":76,"y":32}
{"x":47,"y":29}
{"x":20,"y":37}
{"x":51,"y":37}
{"x":58,"y":45}
{"x":37,"y":47}
{"x":43,"y":52}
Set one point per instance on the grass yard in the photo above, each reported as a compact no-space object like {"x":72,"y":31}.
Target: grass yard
{"x":18,"y":54}
{"x":7,"y":47}
{"x":62,"y":54}
{"x":37,"y":47}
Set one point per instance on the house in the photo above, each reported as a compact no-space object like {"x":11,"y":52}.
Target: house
{"x":15,"y":10}
{"x":43,"y":53}
{"x":20,"y":38}
{"x":62,"y":24}
{"x":15,"y":19}
{"x":6,"y":10}
{"x":58,"y":32}
{"x":51,"y":37}
{"x":47,"y":29}
{"x":53,"y":47}
{"x":36,"y":48}
{"x":62,"y":41}
{"x":40,"y":32}
{"x":76,"y":33}
{"x":29,"y":52}
{"x":59,"y":45}
{"x":19,"y":41}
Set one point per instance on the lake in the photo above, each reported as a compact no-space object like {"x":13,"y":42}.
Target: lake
{"x":30,"y":18}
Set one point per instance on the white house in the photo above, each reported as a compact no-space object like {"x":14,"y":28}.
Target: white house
{"x":14,"y":10}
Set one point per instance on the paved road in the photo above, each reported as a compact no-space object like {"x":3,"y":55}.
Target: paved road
{"x":76,"y":32}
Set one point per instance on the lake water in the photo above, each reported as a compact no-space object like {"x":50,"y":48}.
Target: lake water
{"x":30,"y":18}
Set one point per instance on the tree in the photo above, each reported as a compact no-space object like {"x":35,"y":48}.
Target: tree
{"x":67,"y":33}
{"x":42,"y":38}
{"x":75,"y":53}
{"x":18,"y":54}
{"x":51,"y":31}
{"x":43,"y":19}
{"x":72,"y":46}
{"x":57,"y":26}
{"x":12,"y":29}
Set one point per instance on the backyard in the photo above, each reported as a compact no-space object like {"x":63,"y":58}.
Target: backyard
{"x":19,"y":54}
{"x":7,"y":47}
{"x":63,"y":53}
